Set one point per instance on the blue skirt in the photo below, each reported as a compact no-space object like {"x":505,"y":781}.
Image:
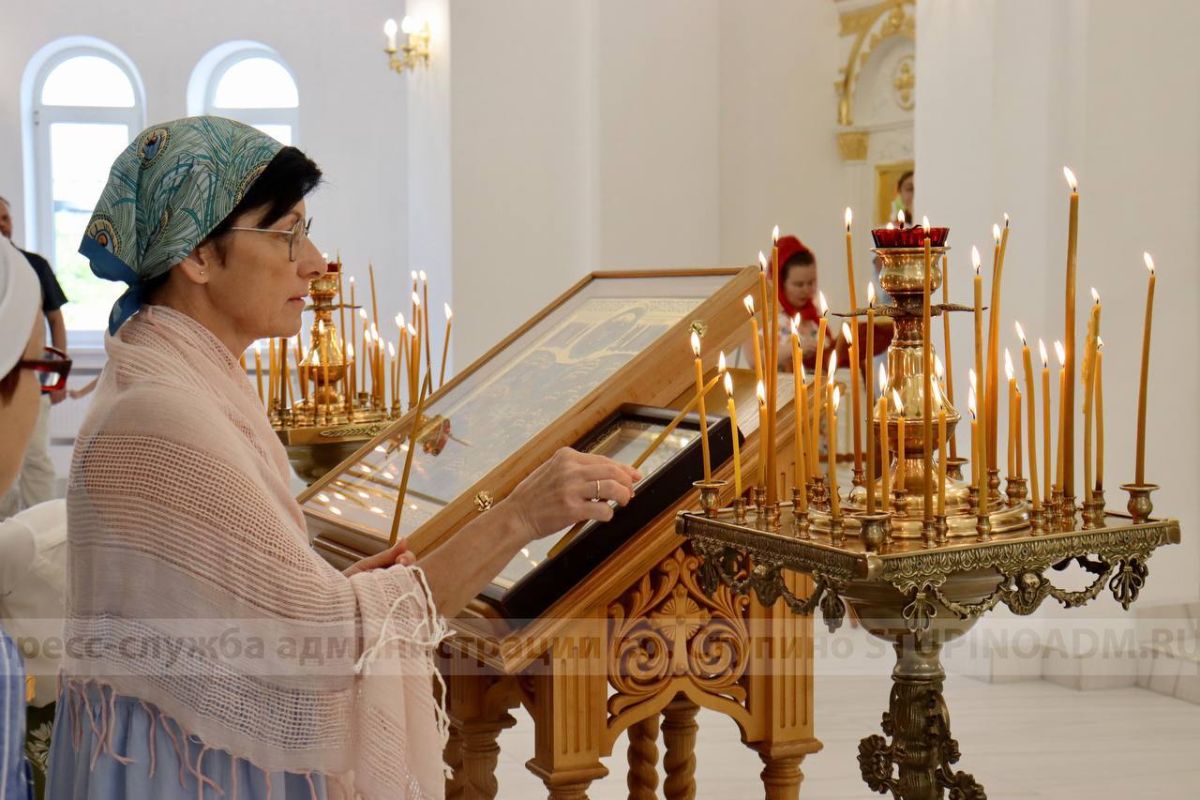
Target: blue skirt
{"x":171,"y":767}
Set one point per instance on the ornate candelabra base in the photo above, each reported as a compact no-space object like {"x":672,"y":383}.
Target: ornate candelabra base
{"x":1140,"y":506}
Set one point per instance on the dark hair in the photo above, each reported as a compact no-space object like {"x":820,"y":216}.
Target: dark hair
{"x":801,"y":258}
{"x":903,"y":178}
{"x":285,"y":181}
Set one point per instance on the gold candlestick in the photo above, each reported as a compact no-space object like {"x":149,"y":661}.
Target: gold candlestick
{"x":1047,"y":463}
{"x":799,"y":457}
{"x":1140,"y":465}
{"x":884,"y":450}
{"x":700,"y":407}
{"x":1099,"y":373}
{"x":1089,"y":385}
{"x":835,"y":502}
{"x":737,"y":457}
{"x":991,"y":393}
{"x":927,"y":378}
{"x":1068,"y":486}
{"x":445,"y":344}
{"x":822,"y":326}
{"x":1032,"y":412}
{"x":949,"y":356}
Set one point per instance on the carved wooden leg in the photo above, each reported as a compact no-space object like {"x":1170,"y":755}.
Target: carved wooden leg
{"x":781,"y":775}
{"x":679,"y":734}
{"x":643,"y":760}
{"x":456,"y":785}
{"x":480,"y":752}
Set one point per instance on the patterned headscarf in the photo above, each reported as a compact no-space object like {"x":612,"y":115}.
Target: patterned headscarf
{"x":167,"y":191}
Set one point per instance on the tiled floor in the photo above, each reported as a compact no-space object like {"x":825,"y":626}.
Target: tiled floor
{"x":1021,"y":740}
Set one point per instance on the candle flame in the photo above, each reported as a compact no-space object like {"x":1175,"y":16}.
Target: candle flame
{"x":422,"y":276}
{"x":1008,"y":365}
{"x":414,"y":274}
{"x":1070,"y":176}
{"x":721,"y":363}
{"x":411,"y":330}
{"x":882,"y":380}
{"x":899,"y":403}
{"x":938,"y":368}
{"x":900,"y":217}
{"x":925,"y":223}
{"x":1045,"y":358}
{"x":803,"y":372}
{"x":775,"y":235}
{"x":362,"y":312}
{"x":1095,"y":296}
{"x":837,"y":398}
{"x":971,"y":401}
{"x":391,"y":350}
{"x":1099,"y":343}
{"x":351,"y":280}
{"x":761,"y":391}
{"x":1006,"y":219}
{"x":972,"y":378}
{"x":349,"y":351}
{"x":996,"y":233}
{"x":416,"y":298}
{"x":696,"y":343}
{"x":449,"y":313}
{"x":1149,"y":262}
{"x":729,"y":385}
{"x":822,"y":304}
{"x":849,"y":217}
{"x":762,"y":261}
{"x":975,"y":262}
{"x":1061,"y":352}
{"x":1021,"y":334}
{"x":320,"y":327}
{"x":891,"y":227}
{"x":258,"y":348}
{"x":871,"y":295}
{"x":748,"y":302}
{"x":795,"y":323}
{"x":846,"y":331}
{"x":832,"y":367}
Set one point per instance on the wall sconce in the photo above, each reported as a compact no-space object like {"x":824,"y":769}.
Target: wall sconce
{"x":416,"y":48}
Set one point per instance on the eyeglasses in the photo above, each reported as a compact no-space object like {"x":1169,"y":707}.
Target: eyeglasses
{"x":52,"y":369}
{"x":297,"y":236}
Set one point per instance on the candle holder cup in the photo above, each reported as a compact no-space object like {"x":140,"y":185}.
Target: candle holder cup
{"x":1098,"y":508}
{"x":739,"y":510}
{"x":759,"y":495}
{"x":954,"y":468}
{"x":1037,"y":519}
{"x":837,"y":531}
{"x":983,"y":528}
{"x":710,"y":496}
{"x":874,"y":532}
{"x":941,"y":529}
{"x":1140,"y":506}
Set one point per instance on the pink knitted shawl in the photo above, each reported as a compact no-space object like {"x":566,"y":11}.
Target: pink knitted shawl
{"x":192,"y":585}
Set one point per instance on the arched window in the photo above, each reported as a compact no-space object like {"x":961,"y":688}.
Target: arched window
{"x":249,"y":82}
{"x":84,"y":102}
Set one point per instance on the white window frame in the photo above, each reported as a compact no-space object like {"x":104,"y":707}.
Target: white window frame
{"x":214,"y":66}
{"x":39,"y":194}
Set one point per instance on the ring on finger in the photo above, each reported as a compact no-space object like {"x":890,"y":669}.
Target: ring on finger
{"x":596,"y":496}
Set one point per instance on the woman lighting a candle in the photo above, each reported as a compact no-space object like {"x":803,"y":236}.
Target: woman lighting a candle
{"x":182,"y":525}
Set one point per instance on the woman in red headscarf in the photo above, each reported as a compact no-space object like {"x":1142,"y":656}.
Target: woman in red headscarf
{"x":798,"y":295}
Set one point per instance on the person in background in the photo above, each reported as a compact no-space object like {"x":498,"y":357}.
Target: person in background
{"x":903,"y":201}
{"x":797,"y":295}
{"x":36,"y":481}
{"x":24,"y":364}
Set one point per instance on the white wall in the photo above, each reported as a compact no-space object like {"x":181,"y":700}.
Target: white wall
{"x":351,"y":112}
{"x":1009,"y":92}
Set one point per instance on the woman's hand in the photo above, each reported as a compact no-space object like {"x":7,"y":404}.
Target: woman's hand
{"x":396,"y":554}
{"x":565,"y":489}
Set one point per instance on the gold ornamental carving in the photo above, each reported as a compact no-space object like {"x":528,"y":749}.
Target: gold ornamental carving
{"x":852,"y":145}
{"x":870,"y":27}
{"x":666,"y":627}
{"x":904,"y":81}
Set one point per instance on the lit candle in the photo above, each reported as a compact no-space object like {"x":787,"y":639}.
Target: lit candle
{"x":798,"y":403}
{"x":272,"y":373}
{"x":760,"y":391}
{"x":817,"y":383}
{"x":855,"y":399}
{"x":1089,"y":386}
{"x":941,"y":499}
{"x":835,"y":397}
{"x":980,"y":393}
{"x":870,"y":395}
{"x":425,"y":321}
{"x":901,"y":472}
{"x":1068,"y":482}
{"x":1060,"y":351}
{"x":362,"y":349}
{"x":927,"y":376}
{"x":328,"y":393}
{"x":748,"y":302}
{"x":1013,"y":434}
{"x":258,"y":369}
{"x":414,"y":365}
{"x":1030,"y":391}
{"x":976,"y":444}
{"x":389,"y":30}
{"x":992,"y":392}
{"x":374,"y":304}
{"x":445,"y":343}
{"x":351,"y":388}
{"x":700,"y":407}
{"x":401,"y":353}
{"x":772,"y":364}
{"x":1099,"y":370}
{"x":418,"y":322}
{"x":762,"y":291}
{"x":737,"y":457}
{"x":946,"y":340}
{"x":1016,"y":414}
{"x":884,"y":451}
{"x":1140,"y":471}
{"x":824,"y":396}
{"x":392,"y":374}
